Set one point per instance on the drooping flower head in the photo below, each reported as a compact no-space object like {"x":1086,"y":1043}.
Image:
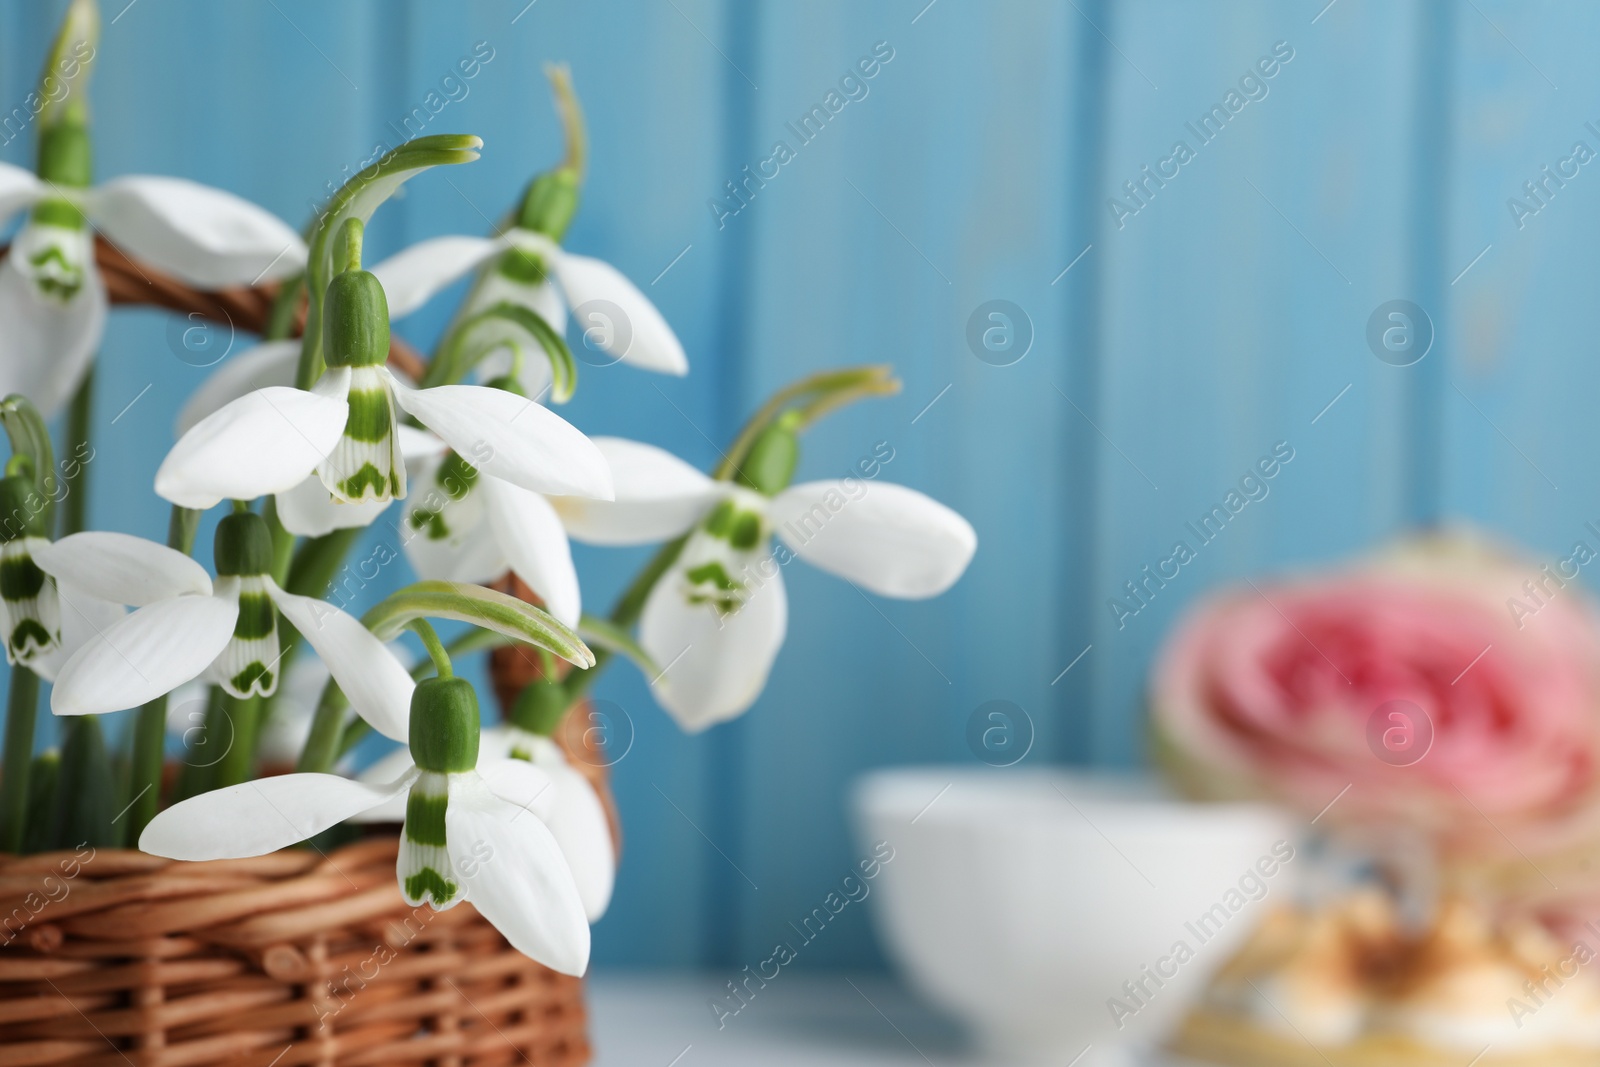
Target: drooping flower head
{"x":188,"y":626}
{"x":344,"y":429}
{"x":466,"y":835}
{"x":715,"y":620}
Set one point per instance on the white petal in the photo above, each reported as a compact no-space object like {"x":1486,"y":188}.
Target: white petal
{"x":448,"y":538}
{"x":657,"y":497}
{"x":18,"y":189}
{"x":254,"y":818}
{"x":529,"y":532}
{"x":201,"y":235}
{"x":511,"y":437}
{"x":884,"y":537}
{"x":411,"y":277}
{"x":122,"y":568}
{"x":378,"y":687}
{"x":84,"y":617}
{"x":596,"y":291}
{"x":151,"y":652}
{"x":713,"y":668}
{"x":269,"y":363}
{"x":517,"y":877}
{"x":45,"y":345}
{"x":563,"y":798}
{"x":417,"y":444}
{"x":309,"y":510}
{"x":265,"y":442}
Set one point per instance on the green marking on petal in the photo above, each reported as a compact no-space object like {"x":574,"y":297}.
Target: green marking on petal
{"x":714,"y":572}
{"x":425,"y":817}
{"x":720,"y":519}
{"x":29,"y":632}
{"x":246,"y":680}
{"x":369,"y":476}
{"x":521,"y":266}
{"x":456,"y":476}
{"x":54,"y":275}
{"x":257,"y":616}
{"x":746,"y":532}
{"x":429,"y":883}
{"x":371,"y":417}
{"x":20,"y":578}
{"x":432,"y":522}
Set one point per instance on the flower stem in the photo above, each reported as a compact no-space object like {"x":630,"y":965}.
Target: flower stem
{"x":852,"y":383}
{"x":75,"y":504}
{"x":332,"y":736}
{"x":150,"y":728}
{"x":436,"y":652}
{"x":577,"y":139}
{"x":281,"y":316}
{"x":21,"y":713}
{"x":84,"y":796}
{"x":625,"y":613}
{"x":238,"y":763}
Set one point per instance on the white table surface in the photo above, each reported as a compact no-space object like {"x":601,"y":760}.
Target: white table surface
{"x":661,"y":1019}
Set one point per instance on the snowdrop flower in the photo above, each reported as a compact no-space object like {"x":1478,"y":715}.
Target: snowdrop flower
{"x":344,"y":429}
{"x":464,"y":525}
{"x":186,"y":626}
{"x":526,"y":267}
{"x":568,"y":805}
{"x":45,"y":618}
{"x":51,"y":296}
{"x":715,"y":621}
{"x":467,"y":835}
{"x":518,"y":268}
{"x":52,"y":300}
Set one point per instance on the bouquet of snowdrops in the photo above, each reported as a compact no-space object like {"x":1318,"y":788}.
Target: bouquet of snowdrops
{"x":307,"y":441}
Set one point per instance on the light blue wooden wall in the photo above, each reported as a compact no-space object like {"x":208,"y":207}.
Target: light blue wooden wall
{"x":1219,"y":320}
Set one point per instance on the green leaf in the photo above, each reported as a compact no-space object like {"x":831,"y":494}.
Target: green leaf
{"x":602,"y":633}
{"x":358,"y":199}
{"x":480,"y":607}
{"x":507,"y":324}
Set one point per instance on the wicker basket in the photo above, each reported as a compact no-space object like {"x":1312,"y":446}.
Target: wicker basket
{"x":116,"y":958}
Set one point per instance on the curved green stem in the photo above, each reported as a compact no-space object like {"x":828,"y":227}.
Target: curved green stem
{"x":856,"y":382}
{"x":436,"y":652}
{"x":331,"y":736}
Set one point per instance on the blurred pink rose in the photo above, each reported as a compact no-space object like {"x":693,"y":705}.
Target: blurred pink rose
{"x":1287,"y":692}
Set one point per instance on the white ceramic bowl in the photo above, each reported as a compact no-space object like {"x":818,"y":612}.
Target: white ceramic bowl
{"x":1022,"y":900}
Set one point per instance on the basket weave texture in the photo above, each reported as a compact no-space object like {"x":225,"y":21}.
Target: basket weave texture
{"x":113,"y":958}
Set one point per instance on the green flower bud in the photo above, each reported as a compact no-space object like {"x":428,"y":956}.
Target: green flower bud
{"x":356,"y":321}
{"x":243,"y":545}
{"x":550,"y":203}
{"x":444,"y":725}
{"x":540,"y":707}
{"x":770,"y":466}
